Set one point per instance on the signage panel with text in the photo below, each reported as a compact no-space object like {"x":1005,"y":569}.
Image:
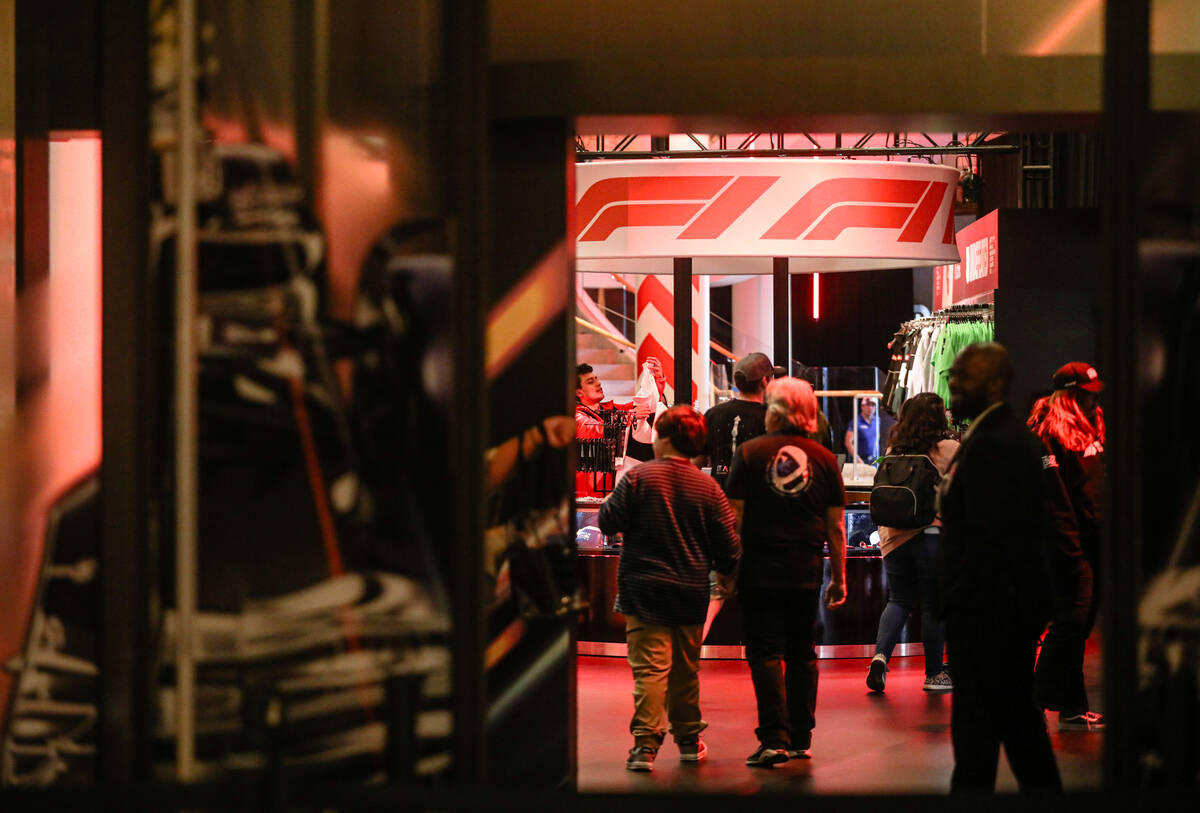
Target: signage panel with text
{"x":979,"y":271}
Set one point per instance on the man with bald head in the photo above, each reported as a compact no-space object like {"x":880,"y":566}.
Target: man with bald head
{"x":996,"y":591}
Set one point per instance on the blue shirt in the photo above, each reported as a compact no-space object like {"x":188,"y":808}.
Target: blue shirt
{"x":868,"y":437}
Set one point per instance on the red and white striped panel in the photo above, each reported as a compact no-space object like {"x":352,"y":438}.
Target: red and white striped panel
{"x":655,"y":329}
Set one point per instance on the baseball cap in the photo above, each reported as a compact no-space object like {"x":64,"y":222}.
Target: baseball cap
{"x":1078,"y":374}
{"x":752,"y":367}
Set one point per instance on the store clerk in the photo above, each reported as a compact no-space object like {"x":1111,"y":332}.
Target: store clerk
{"x":872,"y":434}
{"x":589,"y":422}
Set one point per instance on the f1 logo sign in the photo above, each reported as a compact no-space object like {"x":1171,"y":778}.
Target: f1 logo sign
{"x":616,"y":203}
{"x":707,"y":205}
{"x":835,"y":205}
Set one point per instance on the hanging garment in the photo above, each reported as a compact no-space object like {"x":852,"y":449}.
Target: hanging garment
{"x":895,"y":363}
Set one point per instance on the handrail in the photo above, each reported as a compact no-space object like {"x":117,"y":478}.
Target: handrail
{"x":722,"y":350}
{"x":584,"y":323}
{"x":847,"y":393}
{"x":624,"y":283}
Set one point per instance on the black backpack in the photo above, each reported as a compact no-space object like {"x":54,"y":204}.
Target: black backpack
{"x":904,"y":491}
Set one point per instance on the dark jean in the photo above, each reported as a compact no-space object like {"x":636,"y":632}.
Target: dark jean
{"x":780,"y":627}
{"x":993,"y":705}
{"x":911,"y":572}
{"x":1058,"y":680}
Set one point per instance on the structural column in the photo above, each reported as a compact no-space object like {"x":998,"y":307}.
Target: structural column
{"x":683,"y":329}
{"x":782,"y":311}
{"x":1126,"y":110}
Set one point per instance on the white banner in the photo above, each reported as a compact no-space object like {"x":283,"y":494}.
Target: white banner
{"x":835,"y":215}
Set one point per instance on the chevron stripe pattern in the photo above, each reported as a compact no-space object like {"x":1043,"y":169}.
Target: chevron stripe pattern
{"x":655,"y":329}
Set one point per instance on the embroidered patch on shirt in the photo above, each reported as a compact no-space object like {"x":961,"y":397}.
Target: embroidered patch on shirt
{"x":789,"y":472}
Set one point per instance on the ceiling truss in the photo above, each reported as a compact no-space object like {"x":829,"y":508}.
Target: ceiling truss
{"x":909,"y":145}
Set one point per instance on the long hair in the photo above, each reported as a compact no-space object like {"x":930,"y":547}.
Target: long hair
{"x":1058,"y":416}
{"x":922,"y":424}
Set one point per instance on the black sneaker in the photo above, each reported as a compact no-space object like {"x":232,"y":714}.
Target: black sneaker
{"x":876,"y":674}
{"x":765,"y":757}
{"x":692,"y":749}
{"x":641,"y":758}
{"x":799,"y":753}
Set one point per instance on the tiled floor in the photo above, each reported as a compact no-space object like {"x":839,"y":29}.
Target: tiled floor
{"x":896,"y":742}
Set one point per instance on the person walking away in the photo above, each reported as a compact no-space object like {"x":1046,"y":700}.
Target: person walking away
{"x":787,"y":492}
{"x":995,"y":584}
{"x":1070,"y":422}
{"x":910,"y":554}
{"x":734,"y":422}
{"x":677,"y":525}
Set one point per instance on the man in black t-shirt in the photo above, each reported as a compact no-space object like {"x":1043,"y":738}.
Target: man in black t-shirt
{"x":788,"y":495}
{"x":734,"y":422}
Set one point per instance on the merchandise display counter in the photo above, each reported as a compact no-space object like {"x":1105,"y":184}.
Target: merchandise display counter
{"x":847,"y":632}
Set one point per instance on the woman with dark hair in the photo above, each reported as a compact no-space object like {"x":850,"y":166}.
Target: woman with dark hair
{"x":910,"y":554}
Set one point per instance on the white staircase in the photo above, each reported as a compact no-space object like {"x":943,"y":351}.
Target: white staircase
{"x":615,"y":364}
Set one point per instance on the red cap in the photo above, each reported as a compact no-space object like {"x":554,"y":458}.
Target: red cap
{"x":1078,"y":374}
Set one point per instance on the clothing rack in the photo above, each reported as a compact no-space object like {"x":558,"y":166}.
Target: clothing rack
{"x":955,"y":313}
{"x":923,"y":347}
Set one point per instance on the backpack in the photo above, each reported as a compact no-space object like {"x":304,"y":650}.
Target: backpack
{"x":904,"y":491}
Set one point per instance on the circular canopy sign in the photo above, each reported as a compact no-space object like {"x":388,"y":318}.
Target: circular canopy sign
{"x":833,"y":215}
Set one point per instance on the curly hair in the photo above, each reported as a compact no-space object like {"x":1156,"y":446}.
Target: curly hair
{"x":922,"y":424}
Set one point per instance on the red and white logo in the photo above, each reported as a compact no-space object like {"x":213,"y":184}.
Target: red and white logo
{"x":706,"y":204}
{"x":776,"y":207}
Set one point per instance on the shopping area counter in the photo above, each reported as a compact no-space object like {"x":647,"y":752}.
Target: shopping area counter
{"x":847,"y":632}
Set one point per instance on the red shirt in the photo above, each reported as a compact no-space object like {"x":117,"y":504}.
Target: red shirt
{"x":589,"y":423}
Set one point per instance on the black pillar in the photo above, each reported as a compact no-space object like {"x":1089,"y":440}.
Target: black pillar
{"x":683,"y":330}
{"x":781,"y":307}
{"x":131,"y":469}
{"x":1126,"y":105}
{"x":465,"y":63}
{"x":32,"y":113}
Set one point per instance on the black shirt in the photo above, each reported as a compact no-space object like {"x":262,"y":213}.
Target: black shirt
{"x":994,"y":544}
{"x":787,"y":482}
{"x":729,"y":424}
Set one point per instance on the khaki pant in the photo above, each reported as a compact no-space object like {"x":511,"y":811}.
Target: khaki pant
{"x":666,"y":666}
